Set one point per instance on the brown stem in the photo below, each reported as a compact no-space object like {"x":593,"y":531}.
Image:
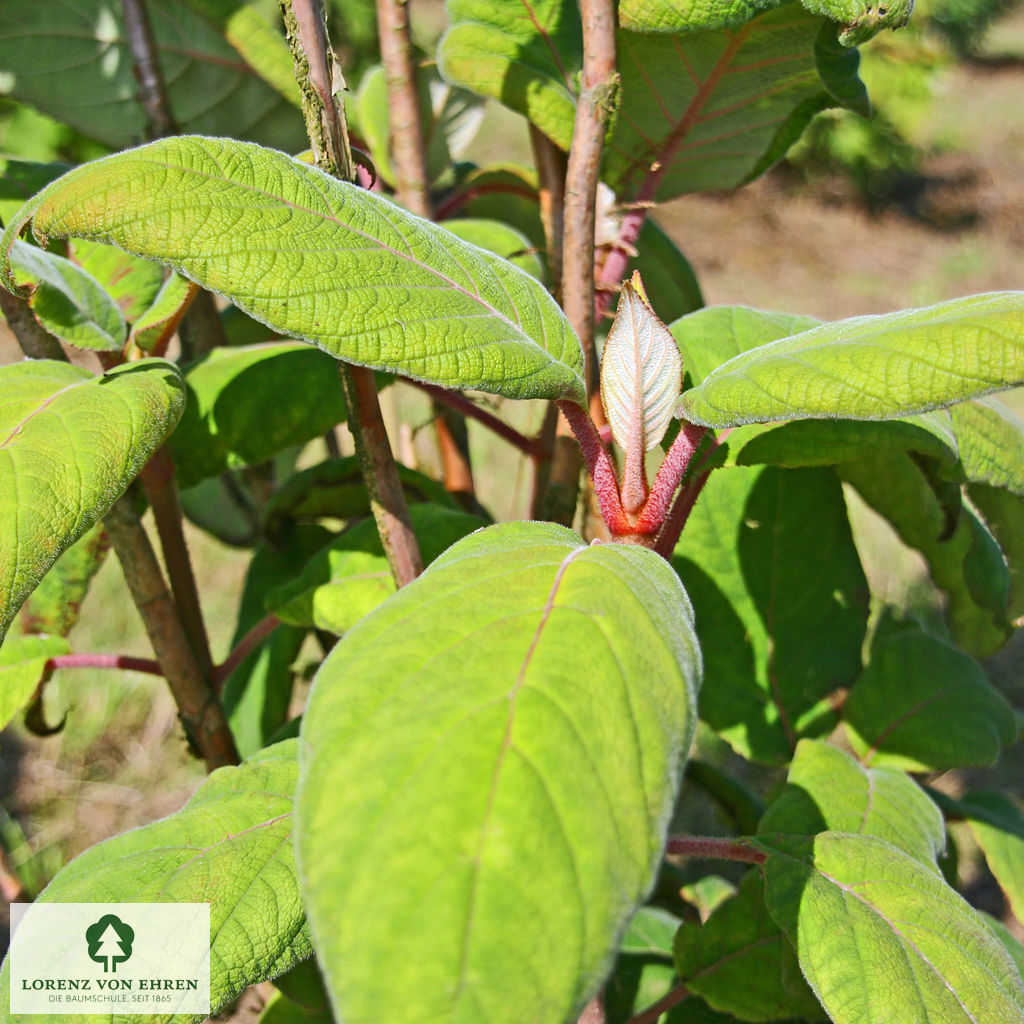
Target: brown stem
{"x":598,"y":93}
{"x":152,"y":89}
{"x":654,"y":1012}
{"x":542,"y":464}
{"x":387,"y":498}
{"x":453,"y":445}
{"x":307,"y":36}
{"x":713,"y":847}
{"x":551,"y":167}
{"x":35,"y":340}
{"x":161,"y":489}
{"x":200,"y":711}
{"x":246,"y":646}
{"x":408,"y":148}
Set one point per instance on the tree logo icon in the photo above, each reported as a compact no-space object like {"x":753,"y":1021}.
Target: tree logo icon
{"x":110,"y":942}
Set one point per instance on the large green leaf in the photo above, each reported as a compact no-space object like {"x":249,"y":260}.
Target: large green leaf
{"x":322,"y":260}
{"x":923,"y":705}
{"x":871,"y":367}
{"x":22,"y":659}
{"x":501,"y":239}
{"x":526,"y":55}
{"x":716,"y":108}
{"x":68,"y":301}
{"x":788,"y":613}
{"x":991,"y":441}
{"x":827,"y":790}
{"x":133,"y":283}
{"x":740,"y":962}
{"x":229,"y":846}
{"x":880,"y":937}
{"x":238,"y":414}
{"x":504,"y":736}
{"x":70,"y":444}
{"x":72,"y":60}
{"x":1003,"y":513}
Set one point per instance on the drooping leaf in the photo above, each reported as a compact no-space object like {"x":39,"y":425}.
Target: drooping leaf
{"x":79,"y":69}
{"x":501,"y":239}
{"x":576,"y":720}
{"x":70,"y":444}
{"x":133,"y":283}
{"x":161,"y":318}
{"x":789,"y":615}
{"x":335,"y":489}
{"x":991,"y":442}
{"x":737,"y":960}
{"x":67,"y":301}
{"x":641,"y":374}
{"x":22,"y":659}
{"x":238,"y":414}
{"x":54,"y":605}
{"x":524,"y":54}
{"x":319,"y":259}
{"x":923,"y":705}
{"x":879,"y":936}
{"x":349,"y":577}
{"x":827,"y":790}
{"x":715,"y":108}
{"x":997,"y":824}
{"x":871,"y":367}
{"x":229,"y":846}
{"x":963,"y":559}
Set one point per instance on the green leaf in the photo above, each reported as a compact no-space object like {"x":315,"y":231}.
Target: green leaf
{"x":713,"y":109}
{"x":507,"y":193}
{"x":827,"y":790}
{"x":70,"y":444}
{"x":644,"y":971}
{"x":1012,"y":944}
{"x":871,"y":367}
{"x":54,"y":605}
{"x":789,"y":616}
{"x":527,"y":55}
{"x":162,"y":316}
{"x":997,"y":824}
{"x":335,"y":489}
{"x":880,"y":937}
{"x":1004,"y":516}
{"x":577,"y":721}
{"x":667,"y":16}
{"x":236,"y":414}
{"x":350,"y":576}
{"x":22,"y":179}
{"x":67,"y":301}
{"x":962,"y":556}
{"x":991,"y":441}
{"x":131,"y":282}
{"x":923,"y":705}
{"x":501,"y":239}
{"x":22,"y":659}
{"x":72,"y":60}
{"x":736,"y":961}
{"x":322,"y":260}
{"x":229,"y":846}
{"x":300,"y":998}
{"x":669,"y":279}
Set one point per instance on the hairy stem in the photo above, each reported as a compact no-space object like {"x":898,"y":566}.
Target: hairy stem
{"x":35,"y":340}
{"x":124,"y":662}
{"x":407,"y":139}
{"x":599,"y":465}
{"x":198,"y":706}
{"x":654,"y":1012}
{"x":715,"y":848}
{"x":314,"y":63}
{"x":152,"y":89}
{"x":672,"y":528}
{"x":669,"y":475}
{"x":162,"y":491}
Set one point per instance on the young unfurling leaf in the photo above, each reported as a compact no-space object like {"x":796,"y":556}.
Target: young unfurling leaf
{"x":641,"y":375}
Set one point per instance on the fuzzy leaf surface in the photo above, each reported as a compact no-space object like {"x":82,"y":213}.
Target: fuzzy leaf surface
{"x":997,"y":824}
{"x":789,"y":617}
{"x":922,"y":705}
{"x":22,"y":658}
{"x":131,"y":282}
{"x":322,"y":260}
{"x":160,"y":318}
{"x":871,"y":367}
{"x":879,"y":936}
{"x":991,"y":441}
{"x":577,"y":720}
{"x":68,"y":301}
{"x":229,"y":846}
{"x":70,"y":444}
{"x":72,"y":60}
{"x":827,"y":790}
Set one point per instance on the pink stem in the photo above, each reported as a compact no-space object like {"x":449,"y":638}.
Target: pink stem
{"x":122,"y":661}
{"x":668,"y":536}
{"x":246,"y":646}
{"x":599,"y":465}
{"x":671,"y":472}
{"x":719,"y":849}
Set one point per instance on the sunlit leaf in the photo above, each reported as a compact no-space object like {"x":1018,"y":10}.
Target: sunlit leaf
{"x":22,"y":659}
